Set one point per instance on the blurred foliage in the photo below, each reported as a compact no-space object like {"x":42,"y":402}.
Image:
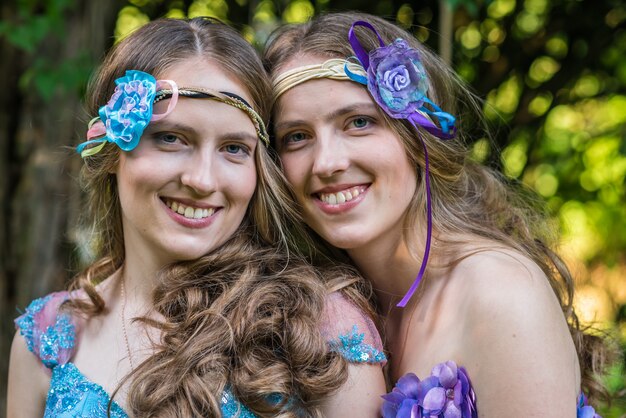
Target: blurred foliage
{"x":553,"y":75}
{"x":34,"y":23}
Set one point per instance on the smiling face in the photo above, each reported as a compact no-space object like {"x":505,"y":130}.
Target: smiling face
{"x":349,"y":170}
{"x":186,"y":187}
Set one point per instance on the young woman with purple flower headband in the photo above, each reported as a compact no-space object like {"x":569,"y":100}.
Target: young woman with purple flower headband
{"x":199,"y":303}
{"x":370,"y":127}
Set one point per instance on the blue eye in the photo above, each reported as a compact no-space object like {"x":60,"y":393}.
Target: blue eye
{"x":168,"y":138}
{"x":236,"y":149}
{"x":360,"y":122}
{"x":294,"y":137}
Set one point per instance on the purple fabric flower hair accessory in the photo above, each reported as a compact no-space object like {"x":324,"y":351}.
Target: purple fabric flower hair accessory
{"x":447,"y":393}
{"x":397,"y":80}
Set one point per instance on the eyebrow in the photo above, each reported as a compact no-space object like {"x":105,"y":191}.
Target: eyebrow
{"x":363,"y":106}
{"x":181,"y":127}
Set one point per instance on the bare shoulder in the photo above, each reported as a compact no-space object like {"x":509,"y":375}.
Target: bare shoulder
{"x":505,"y":282}
{"x":28,"y":382}
{"x":507,"y":294}
{"x":515,"y":336}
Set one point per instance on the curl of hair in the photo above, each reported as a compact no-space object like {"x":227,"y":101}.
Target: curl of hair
{"x":269,"y":350}
{"x":467,"y":197}
{"x":244,"y":316}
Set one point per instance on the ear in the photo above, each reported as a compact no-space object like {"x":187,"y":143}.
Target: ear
{"x":115,"y":165}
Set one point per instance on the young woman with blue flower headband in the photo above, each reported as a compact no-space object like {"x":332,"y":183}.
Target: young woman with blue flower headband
{"x":370,"y":127}
{"x":198,"y":303}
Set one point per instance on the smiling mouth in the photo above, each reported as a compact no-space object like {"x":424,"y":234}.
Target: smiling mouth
{"x":343,"y":196}
{"x":189,"y":212}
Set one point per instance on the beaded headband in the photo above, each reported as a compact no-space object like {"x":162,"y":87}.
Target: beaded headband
{"x":396,"y":79}
{"x":129,"y":111}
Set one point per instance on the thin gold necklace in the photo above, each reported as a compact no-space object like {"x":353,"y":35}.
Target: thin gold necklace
{"x":130,"y":358}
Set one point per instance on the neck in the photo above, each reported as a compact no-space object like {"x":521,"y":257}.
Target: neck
{"x":139,"y":274}
{"x":390,"y":266}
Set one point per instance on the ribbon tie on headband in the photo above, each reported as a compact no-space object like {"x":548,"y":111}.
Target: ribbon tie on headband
{"x":397,"y":81}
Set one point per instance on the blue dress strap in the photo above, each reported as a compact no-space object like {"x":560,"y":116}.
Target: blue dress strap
{"x":350,"y":332}
{"x":49,"y":332}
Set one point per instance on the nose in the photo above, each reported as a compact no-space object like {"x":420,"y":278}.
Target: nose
{"x":200,"y":174}
{"x":331,"y":156}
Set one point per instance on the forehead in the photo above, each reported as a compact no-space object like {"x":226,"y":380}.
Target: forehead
{"x":205,"y":73}
{"x":300,"y":60}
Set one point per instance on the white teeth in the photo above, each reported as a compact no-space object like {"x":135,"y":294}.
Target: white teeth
{"x":188,"y":211}
{"x":340,"y":197}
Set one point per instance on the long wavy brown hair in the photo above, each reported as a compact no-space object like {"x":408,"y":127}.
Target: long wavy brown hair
{"x":244,"y":317}
{"x":467,"y":197}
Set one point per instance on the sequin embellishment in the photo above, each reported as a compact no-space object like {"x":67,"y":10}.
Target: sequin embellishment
{"x":72,"y":395}
{"x":50,"y":339}
{"x":352,"y":348}
{"x":232,"y":408}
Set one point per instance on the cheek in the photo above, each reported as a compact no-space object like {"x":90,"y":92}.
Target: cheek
{"x":295,"y":169}
{"x":244,"y":185}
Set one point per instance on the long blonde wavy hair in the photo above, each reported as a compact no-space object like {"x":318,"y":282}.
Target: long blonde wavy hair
{"x":467,"y":197}
{"x":244,"y":317}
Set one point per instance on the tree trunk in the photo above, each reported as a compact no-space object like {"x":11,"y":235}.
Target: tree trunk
{"x":38,"y":191}
{"x":446,"y":16}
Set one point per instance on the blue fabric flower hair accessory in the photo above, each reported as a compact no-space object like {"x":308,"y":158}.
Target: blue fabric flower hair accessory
{"x":397,"y":81}
{"x":123,"y":119}
{"x":129,"y":110}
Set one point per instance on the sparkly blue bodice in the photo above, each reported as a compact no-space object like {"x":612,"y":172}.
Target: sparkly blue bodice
{"x":51,"y":335}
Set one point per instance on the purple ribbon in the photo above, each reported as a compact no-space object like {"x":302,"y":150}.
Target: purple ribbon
{"x":356,"y":45}
{"x":417,"y":119}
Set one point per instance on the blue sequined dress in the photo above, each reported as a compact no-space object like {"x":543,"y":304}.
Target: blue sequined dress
{"x":51,"y":335}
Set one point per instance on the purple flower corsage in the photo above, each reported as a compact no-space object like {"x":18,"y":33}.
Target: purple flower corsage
{"x":584,"y":410}
{"x":447,"y":393}
{"x":129,"y":110}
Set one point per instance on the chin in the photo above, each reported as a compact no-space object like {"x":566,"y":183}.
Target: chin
{"x":344,"y":241}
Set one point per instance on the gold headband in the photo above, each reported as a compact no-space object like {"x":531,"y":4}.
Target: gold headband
{"x":334,"y":68}
{"x":224,"y":97}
